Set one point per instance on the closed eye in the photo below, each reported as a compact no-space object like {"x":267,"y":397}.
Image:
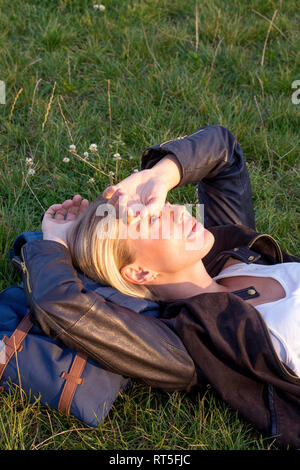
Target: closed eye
{"x":151,"y":221}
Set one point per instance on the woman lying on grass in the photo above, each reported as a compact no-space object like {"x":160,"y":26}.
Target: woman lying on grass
{"x":230,"y":294}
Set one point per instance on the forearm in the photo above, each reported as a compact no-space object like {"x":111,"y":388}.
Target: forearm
{"x":201,"y":155}
{"x":169,"y":169}
{"x":121,"y":340}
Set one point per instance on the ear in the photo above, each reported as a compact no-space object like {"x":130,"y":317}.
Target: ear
{"x":137,"y":275}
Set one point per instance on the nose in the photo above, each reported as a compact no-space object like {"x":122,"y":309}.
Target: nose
{"x":181,"y":214}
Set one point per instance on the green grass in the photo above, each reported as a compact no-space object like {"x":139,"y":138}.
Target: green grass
{"x":127,"y":78}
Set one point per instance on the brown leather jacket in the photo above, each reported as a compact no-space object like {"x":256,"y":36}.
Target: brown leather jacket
{"x":237,"y":356}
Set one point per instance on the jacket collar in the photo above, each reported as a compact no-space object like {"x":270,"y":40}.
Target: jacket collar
{"x":243,"y":243}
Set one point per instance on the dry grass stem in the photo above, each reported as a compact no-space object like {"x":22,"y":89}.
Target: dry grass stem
{"x":267,"y":37}
{"x":109,"y":108}
{"x":267,"y":19}
{"x":14,"y":103}
{"x":213,"y":62}
{"x":48,"y":107}
{"x":65,"y":120}
{"x":197,"y":27}
{"x":90,"y":164}
{"x":25,"y":179}
{"x":34,"y":92}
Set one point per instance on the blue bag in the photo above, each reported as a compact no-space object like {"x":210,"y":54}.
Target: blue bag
{"x":44,"y":367}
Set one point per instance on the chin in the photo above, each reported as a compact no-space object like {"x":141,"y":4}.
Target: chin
{"x":202,"y":246}
{"x":210,"y":240}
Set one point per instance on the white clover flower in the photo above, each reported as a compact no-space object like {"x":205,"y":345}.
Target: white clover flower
{"x":66,"y":160}
{"x":29,"y":161}
{"x":93,"y":148}
{"x":117,"y":156}
{"x":99,"y":7}
{"x":86,"y":155}
{"x":31,"y":171}
{"x":72,"y":148}
{"x":91,"y":180}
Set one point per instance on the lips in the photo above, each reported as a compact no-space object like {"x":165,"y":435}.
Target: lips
{"x":194,"y":226}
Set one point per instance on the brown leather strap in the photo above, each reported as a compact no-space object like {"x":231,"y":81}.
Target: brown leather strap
{"x":13,"y":343}
{"x":73,"y":379}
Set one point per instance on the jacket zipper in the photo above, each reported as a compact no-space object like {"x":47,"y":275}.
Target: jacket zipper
{"x":180,"y":138}
{"x":278,"y":249}
{"x":24,"y":269}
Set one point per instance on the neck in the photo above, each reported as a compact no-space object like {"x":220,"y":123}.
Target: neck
{"x":172,"y":286}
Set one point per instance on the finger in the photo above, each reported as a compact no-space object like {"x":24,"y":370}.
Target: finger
{"x":73,"y":209}
{"x":52,"y":210}
{"x":84,"y":205}
{"x":109,"y":191}
{"x":114,"y":199}
{"x":67,"y":203}
{"x":179,"y":214}
{"x":65,"y":206}
{"x":60,"y":213}
{"x":77,"y":199}
{"x":153,"y":207}
{"x":122,"y":203}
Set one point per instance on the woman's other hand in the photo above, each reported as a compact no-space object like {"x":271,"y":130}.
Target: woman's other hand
{"x":59,"y":218}
{"x":147,"y":187}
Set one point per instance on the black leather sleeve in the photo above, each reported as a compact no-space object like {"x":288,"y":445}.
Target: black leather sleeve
{"x":119,"y":339}
{"x":213,"y":158}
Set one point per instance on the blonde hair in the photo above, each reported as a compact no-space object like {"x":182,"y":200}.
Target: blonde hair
{"x":98,"y":251}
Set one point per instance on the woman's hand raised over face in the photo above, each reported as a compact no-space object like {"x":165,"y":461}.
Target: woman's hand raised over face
{"x":143,"y":188}
{"x":148,"y":188}
{"x":59,"y":218}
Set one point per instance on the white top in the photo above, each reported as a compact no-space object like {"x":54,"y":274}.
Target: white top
{"x":281,"y":316}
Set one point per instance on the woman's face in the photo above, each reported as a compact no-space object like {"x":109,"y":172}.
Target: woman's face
{"x":170,"y":243}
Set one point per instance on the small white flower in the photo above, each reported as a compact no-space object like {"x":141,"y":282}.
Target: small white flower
{"x":91,"y":180}
{"x":135,"y":170}
{"x":131,"y":157}
{"x":99,"y":7}
{"x":31,"y":171}
{"x":117,"y":156}
{"x":72,"y":148}
{"x":93,"y":148}
{"x":111,"y":173}
{"x":66,"y":160}
{"x":86,"y":155}
{"x":29,"y":161}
